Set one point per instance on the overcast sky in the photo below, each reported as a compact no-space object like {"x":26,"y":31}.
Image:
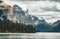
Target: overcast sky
{"x":49,"y":9}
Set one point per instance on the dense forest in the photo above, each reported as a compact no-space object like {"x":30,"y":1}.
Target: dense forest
{"x":7,"y":26}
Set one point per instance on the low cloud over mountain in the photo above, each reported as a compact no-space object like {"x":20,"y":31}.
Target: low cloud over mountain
{"x":54,"y":8}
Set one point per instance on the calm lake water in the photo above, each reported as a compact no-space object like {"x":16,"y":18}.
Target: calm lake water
{"x":29,"y":35}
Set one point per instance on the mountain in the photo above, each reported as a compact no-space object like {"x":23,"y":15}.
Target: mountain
{"x":56,"y":26}
{"x":3,"y":15}
{"x":43,"y":26}
{"x":17,"y":9}
{"x":21,"y":15}
{"x":16,"y":13}
{"x":56,"y":23}
{"x":4,"y":10}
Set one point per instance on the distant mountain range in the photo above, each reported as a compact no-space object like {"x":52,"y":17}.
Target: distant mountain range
{"x":18,"y":14}
{"x":56,"y":26}
{"x":39,"y":25}
{"x":45,"y":27}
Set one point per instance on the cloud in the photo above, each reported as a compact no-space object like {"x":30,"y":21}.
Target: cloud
{"x":28,"y":0}
{"x":43,"y":6}
{"x":55,"y":0}
{"x":54,"y":8}
{"x":34,"y":0}
{"x":37,"y":0}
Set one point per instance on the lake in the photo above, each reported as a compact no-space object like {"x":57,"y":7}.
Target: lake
{"x":38,"y":35}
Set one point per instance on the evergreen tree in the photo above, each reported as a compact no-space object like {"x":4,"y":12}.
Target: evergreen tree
{"x":9,"y":26}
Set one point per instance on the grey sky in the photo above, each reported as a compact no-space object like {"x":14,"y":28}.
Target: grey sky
{"x":55,"y":0}
{"x":27,"y":0}
{"x":37,"y":0}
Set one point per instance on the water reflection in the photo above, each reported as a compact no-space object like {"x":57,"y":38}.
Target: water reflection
{"x":30,"y":36}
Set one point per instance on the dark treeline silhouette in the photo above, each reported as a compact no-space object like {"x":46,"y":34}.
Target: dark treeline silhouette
{"x":11,"y":27}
